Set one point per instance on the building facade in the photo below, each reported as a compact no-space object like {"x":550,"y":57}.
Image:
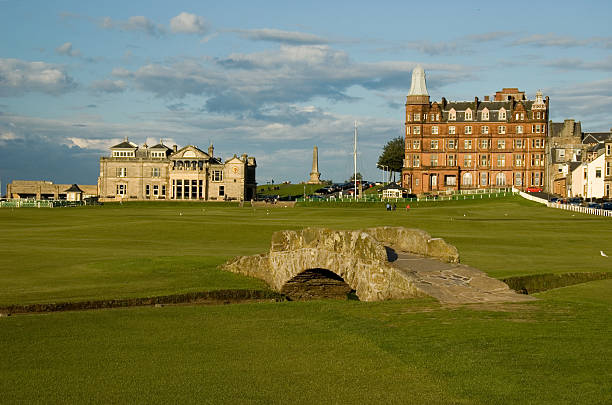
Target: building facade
{"x":139,"y":173}
{"x":451,"y":146}
{"x":588,"y":179}
{"x":46,"y":190}
{"x":570,"y":151}
{"x":565,"y":152}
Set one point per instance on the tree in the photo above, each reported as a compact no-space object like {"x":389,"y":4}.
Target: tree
{"x":352,"y":179}
{"x":392,"y":157}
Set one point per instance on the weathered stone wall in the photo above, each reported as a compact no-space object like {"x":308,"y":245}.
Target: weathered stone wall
{"x":417,"y":265}
{"x":355,"y":256}
{"x":415,"y":241}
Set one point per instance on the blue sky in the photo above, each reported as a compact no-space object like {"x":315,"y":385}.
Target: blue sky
{"x":273,"y":79}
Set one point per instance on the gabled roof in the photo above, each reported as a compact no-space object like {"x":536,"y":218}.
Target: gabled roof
{"x":125,"y":145}
{"x":592,"y":137}
{"x":74,"y":188}
{"x":234,"y":158}
{"x":574,"y":165}
{"x":160,"y":146}
{"x":392,"y":186}
{"x":195,"y":151}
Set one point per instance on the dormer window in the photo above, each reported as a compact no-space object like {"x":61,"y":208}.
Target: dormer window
{"x":502,"y":113}
{"x":452,"y":115}
{"x":121,"y":153}
{"x":468,"y":115}
{"x":485,"y":114}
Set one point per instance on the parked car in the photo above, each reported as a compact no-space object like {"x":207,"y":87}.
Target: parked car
{"x":574,"y":201}
{"x":607,"y":206}
{"x":593,"y":205}
{"x":534,"y":189}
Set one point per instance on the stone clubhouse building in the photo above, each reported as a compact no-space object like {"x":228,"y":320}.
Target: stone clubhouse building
{"x":460,"y":145}
{"x":140,"y":173}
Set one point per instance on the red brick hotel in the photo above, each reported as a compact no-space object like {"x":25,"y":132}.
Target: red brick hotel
{"x":463,"y":145}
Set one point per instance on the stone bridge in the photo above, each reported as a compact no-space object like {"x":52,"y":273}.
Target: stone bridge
{"x":375,"y":264}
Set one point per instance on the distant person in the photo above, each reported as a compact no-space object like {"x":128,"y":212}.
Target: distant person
{"x":394,"y":207}
{"x":388,"y":207}
{"x":407,"y":207}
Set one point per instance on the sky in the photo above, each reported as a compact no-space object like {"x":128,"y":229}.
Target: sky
{"x":273,"y":79}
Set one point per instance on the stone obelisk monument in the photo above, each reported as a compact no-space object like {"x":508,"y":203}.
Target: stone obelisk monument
{"x":315,"y":176}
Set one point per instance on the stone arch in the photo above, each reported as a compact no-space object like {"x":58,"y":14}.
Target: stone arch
{"x":368,"y":279}
{"x":316,"y":284}
{"x":359,"y":258}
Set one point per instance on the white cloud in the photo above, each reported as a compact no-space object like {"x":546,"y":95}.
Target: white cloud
{"x":109,"y":86}
{"x":285,"y":37}
{"x":258,"y":84}
{"x":8,"y":136}
{"x":18,"y":77}
{"x":94,"y":144}
{"x":188,"y":23}
{"x":66,"y":49}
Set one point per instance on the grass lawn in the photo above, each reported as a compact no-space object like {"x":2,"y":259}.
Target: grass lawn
{"x":286,"y":190}
{"x":130,"y":250}
{"x":555,"y":350}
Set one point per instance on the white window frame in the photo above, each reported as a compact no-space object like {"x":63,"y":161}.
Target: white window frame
{"x":416,"y":130}
{"x":452,"y":115}
{"x":468,"y":129}
{"x":501,"y":129}
{"x":217,"y":176}
{"x":467,"y":144}
{"x":434,"y":130}
{"x":484,"y":129}
{"x":485,"y":114}
{"x":434,"y":144}
{"x":468,"y":114}
{"x":451,"y":130}
{"x":502,"y":114}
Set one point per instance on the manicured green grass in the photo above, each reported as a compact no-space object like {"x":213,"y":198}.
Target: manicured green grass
{"x":286,"y":190}
{"x":118,"y":251}
{"x":555,"y":350}
{"x":550,"y":351}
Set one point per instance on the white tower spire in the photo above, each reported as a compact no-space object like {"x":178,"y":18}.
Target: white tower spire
{"x":418,"y":86}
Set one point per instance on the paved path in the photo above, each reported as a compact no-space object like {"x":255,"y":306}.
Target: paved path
{"x":453,"y":283}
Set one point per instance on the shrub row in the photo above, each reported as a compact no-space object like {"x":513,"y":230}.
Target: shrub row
{"x":541,"y":282}
{"x":218,"y":296}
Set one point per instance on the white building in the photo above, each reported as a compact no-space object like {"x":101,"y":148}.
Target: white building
{"x":588,"y":179}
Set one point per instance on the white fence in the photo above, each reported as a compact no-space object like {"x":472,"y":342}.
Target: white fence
{"x":583,"y":210}
{"x":532,"y":198}
{"x":567,"y":207}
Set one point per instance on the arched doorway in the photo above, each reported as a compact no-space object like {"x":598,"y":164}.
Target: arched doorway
{"x":317,"y":284}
